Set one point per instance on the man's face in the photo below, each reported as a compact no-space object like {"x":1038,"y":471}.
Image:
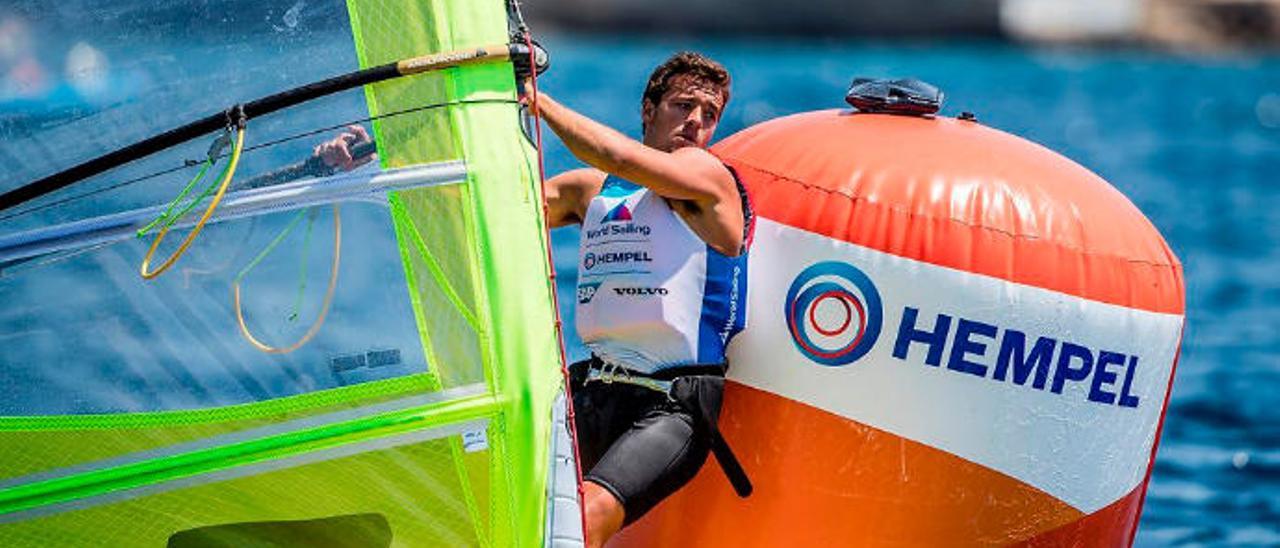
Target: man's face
{"x":686,"y":116}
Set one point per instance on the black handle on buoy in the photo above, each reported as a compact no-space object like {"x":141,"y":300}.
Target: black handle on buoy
{"x":906,"y":96}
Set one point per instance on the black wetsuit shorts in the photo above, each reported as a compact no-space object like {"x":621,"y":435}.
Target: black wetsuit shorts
{"x":635,"y":442}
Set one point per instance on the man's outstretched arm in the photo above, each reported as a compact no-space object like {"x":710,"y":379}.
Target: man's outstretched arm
{"x":688,"y":173}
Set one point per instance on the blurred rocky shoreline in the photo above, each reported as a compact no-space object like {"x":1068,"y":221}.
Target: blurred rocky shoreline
{"x":1178,"y":24}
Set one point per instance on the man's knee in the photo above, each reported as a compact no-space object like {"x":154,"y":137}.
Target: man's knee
{"x":604,"y":513}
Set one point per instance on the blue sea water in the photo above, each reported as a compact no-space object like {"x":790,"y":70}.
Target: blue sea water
{"x":1194,"y":141}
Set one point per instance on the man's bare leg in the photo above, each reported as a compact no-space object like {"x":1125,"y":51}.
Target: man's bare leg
{"x":604,"y":514}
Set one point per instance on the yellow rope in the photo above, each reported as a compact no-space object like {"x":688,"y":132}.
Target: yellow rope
{"x":195,"y":231}
{"x":324,"y":308}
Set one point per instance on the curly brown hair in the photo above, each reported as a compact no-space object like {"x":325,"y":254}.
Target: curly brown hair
{"x":701,"y":67}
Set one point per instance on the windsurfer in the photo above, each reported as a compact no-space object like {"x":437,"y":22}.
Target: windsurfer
{"x":661,"y":282}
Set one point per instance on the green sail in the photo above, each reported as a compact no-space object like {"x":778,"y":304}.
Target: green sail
{"x":477,"y":252}
{"x":456,"y":455}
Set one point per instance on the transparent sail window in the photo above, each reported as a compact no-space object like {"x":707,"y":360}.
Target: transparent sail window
{"x":84,"y":333}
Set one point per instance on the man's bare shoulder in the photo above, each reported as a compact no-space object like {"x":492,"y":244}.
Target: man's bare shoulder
{"x":578,"y":183}
{"x":584,"y":178}
{"x":569,"y":193}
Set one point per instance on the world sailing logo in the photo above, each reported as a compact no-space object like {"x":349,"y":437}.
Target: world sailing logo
{"x":834,"y":313}
{"x":618,"y":214}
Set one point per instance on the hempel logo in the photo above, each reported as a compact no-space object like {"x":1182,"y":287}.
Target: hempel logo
{"x":832,"y":326}
{"x":591,"y":259}
{"x":829,"y":323}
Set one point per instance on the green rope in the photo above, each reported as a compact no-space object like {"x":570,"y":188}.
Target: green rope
{"x":270,"y":247}
{"x":168,"y":217}
{"x":310,"y":213}
{"x":302,"y":267}
{"x":168,"y":211}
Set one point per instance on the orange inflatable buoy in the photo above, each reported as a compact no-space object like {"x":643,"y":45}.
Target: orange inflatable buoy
{"x":954,"y":337}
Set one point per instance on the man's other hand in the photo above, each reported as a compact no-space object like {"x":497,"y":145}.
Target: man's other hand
{"x":336,"y":152}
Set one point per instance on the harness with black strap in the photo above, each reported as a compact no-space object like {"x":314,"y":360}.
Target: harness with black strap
{"x":698,"y":389}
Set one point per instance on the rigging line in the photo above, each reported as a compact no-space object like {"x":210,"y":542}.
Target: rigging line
{"x":11,"y":267}
{"x":379,"y":117}
{"x":228,"y":173}
{"x":189,"y":163}
{"x":523,"y":27}
{"x":324,"y":307}
{"x":94,"y":192}
{"x":297,"y":217}
{"x":255,"y":108}
{"x":206,"y":270}
{"x":570,"y":416}
{"x":302,"y":266}
{"x":168,"y":211}
{"x":168,"y":217}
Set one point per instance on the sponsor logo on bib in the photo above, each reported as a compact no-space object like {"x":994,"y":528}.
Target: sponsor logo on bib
{"x":640,"y":291}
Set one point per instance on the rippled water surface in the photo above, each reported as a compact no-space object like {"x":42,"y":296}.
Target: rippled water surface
{"x":1193,"y":141}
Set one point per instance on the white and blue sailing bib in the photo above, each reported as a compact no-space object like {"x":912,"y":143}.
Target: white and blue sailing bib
{"x":651,"y":294}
